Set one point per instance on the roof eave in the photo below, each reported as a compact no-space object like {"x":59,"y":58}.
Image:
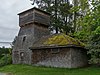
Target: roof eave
{"x":53,"y":47}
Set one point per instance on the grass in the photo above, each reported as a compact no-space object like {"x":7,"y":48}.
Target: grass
{"x":31,"y":70}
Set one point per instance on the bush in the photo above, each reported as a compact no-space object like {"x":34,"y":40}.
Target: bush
{"x":5,"y":56}
{"x":5,"y":60}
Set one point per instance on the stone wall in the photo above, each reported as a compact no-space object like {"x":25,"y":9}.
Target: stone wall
{"x":78,"y":57}
{"x":25,"y":39}
{"x":64,"y":58}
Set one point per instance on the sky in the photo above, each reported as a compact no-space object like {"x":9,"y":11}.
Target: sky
{"x":9,"y":22}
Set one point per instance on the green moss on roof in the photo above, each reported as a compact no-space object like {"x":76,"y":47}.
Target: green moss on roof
{"x":57,"y":40}
{"x":62,"y":39}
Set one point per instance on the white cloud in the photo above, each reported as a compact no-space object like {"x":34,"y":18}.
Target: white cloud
{"x":9,"y":19}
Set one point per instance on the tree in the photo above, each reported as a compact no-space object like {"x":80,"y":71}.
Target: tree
{"x":89,"y":28}
{"x":94,"y":42}
{"x":5,"y":56}
{"x":66,"y":18}
{"x":61,"y":18}
{"x":80,"y":8}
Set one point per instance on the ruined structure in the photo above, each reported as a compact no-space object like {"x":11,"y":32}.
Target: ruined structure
{"x":59,"y":50}
{"x":34,"y":44}
{"x":33,"y":24}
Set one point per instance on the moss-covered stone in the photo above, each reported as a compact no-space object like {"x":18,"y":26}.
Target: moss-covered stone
{"x":62,"y":39}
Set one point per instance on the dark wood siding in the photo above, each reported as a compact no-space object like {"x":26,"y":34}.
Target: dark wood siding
{"x":42,"y":19}
{"x":26,"y":19}
{"x":38,"y":18}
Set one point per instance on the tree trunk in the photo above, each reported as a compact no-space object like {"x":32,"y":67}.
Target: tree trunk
{"x":56,"y":15}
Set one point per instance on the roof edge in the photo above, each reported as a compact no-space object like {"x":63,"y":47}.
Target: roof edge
{"x":53,"y":47}
{"x":35,"y":9}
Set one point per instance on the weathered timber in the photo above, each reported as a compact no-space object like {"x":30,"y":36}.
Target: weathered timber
{"x":33,"y":16}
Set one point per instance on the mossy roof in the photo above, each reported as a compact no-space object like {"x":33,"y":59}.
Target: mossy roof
{"x":57,"y":40}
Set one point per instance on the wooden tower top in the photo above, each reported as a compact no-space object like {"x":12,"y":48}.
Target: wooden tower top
{"x":34,"y":15}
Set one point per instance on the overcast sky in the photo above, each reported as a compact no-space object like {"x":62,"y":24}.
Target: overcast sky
{"x":9,"y":19}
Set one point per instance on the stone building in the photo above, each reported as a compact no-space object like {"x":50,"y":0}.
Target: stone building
{"x":35,"y":45}
{"x":33,"y":24}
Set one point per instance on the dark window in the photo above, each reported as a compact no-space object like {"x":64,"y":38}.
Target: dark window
{"x":24,"y":38}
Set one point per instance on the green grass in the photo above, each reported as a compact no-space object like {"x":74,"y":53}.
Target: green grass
{"x":31,"y":70}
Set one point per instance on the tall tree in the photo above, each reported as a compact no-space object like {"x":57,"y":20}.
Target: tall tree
{"x":79,"y":10}
{"x":75,"y":4}
{"x":60,"y":10}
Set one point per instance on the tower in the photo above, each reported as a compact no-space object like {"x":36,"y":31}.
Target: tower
{"x":33,"y":24}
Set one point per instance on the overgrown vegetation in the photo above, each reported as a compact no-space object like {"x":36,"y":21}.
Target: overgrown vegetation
{"x":89,"y":32}
{"x":62,"y":39}
{"x":5,"y":56}
{"x":31,"y":70}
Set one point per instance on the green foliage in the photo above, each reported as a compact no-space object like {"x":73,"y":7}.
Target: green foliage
{"x":3,"y":50}
{"x":94,"y":46}
{"x":5,"y":60}
{"x":5,"y":56}
{"x":89,"y":30}
{"x":31,"y":70}
{"x":65,"y":17}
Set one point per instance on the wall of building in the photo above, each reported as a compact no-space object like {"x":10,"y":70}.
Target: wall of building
{"x":64,"y":58}
{"x":25,"y":39}
{"x":21,"y":51}
{"x":78,"y":57}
